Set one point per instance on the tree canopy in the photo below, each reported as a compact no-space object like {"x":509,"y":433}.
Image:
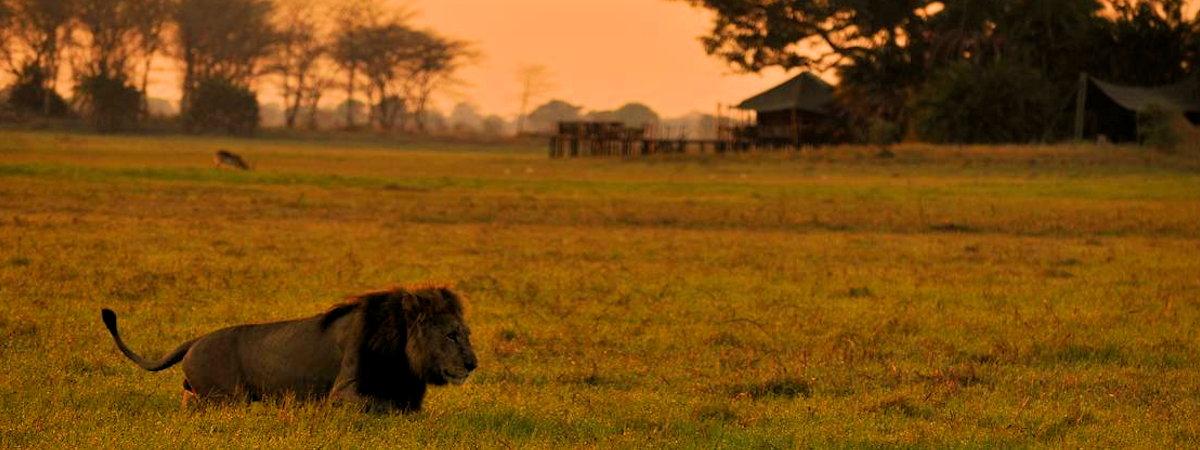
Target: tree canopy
{"x":546,"y":116}
{"x":224,"y":49}
{"x":886,"y":53}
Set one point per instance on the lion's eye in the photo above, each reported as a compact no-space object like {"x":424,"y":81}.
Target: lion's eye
{"x":453,"y":336}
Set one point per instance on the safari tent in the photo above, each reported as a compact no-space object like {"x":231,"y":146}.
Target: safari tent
{"x":798,"y":112}
{"x":1110,"y":110}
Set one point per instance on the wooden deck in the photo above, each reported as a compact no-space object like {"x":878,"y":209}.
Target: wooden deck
{"x":579,"y":147}
{"x":613,"y":139}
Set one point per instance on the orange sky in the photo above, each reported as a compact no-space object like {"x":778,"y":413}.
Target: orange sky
{"x":601,"y":53}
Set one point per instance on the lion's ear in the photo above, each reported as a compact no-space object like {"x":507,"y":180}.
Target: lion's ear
{"x":452,"y":299}
{"x":410,"y":306}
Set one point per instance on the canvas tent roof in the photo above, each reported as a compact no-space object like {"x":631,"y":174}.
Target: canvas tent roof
{"x":805,"y":92}
{"x":1183,"y":96}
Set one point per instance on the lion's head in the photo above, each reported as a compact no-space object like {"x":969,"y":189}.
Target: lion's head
{"x":419,"y":332}
{"x":439,"y":343}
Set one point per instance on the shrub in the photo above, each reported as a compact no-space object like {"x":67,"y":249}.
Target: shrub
{"x":219,"y":105}
{"x":1156,"y":127}
{"x":997,"y":103}
{"x":883,"y":132}
{"x":109,"y":103}
{"x":29,"y":94}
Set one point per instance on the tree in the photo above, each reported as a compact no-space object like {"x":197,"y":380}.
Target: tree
{"x":631,"y":114}
{"x":220,"y":105}
{"x":545,"y":117}
{"x":37,"y":33}
{"x":347,"y":55}
{"x":103,"y":89}
{"x":355,"y":20}
{"x":493,"y":125}
{"x":435,"y":61}
{"x":465,"y":118}
{"x":321,"y":82}
{"x":636,"y":115}
{"x":109,"y":103}
{"x":996,"y":103}
{"x":6,"y":25}
{"x":401,"y":67}
{"x":108,"y":30}
{"x":379,"y":53}
{"x":348,"y":109}
{"x":222,"y":43}
{"x":884,"y":52}
{"x":29,"y":93}
{"x":388,"y":50}
{"x":756,"y":34}
{"x":434,"y":120}
{"x":1149,"y":43}
{"x":535,"y":82}
{"x":297,"y":60}
{"x":150,"y":18}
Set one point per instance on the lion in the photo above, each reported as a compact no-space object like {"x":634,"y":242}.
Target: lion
{"x":377,"y":350}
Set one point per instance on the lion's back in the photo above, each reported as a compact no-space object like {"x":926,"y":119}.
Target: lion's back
{"x":295,"y":357}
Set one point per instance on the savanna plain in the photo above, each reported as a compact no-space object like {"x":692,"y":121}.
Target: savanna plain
{"x":930,"y":296}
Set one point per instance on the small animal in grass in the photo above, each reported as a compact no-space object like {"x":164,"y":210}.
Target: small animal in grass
{"x":226,"y":158}
{"x":378,"y":351}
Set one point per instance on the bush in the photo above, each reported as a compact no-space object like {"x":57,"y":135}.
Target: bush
{"x":109,"y":104}
{"x":219,"y":105}
{"x":998,"y":103}
{"x":883,"y":132}
{"x":1156,"y":127}
{"x":29,"y":95}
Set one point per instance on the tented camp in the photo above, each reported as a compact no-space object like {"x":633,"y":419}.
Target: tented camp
{"x":798,"y":112}
{"x":1110,"y":110}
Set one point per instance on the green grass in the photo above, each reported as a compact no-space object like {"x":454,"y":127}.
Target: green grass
{"x":1023,"y":296}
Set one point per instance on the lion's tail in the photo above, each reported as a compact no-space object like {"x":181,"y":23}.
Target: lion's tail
{"x":110,"y":321}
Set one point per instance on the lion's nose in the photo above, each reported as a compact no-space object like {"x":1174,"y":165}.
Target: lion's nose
{"x":471,"y":364}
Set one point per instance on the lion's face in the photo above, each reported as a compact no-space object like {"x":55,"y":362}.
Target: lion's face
{"x":439,"y":347}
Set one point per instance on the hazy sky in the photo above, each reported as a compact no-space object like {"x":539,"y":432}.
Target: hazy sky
{"x":601,"y":53}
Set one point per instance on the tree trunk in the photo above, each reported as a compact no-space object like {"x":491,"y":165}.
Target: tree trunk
{"x":350,"y":99}
{"x":51,"y":74}
{"x":292,"y":99}
{"x":314,"y":100}
{"x":145,"y":85}
{"x":524,"y":109}
{"x":189,"y":81}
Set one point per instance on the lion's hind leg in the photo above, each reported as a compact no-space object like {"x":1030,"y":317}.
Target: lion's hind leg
{"x":190,"y":399}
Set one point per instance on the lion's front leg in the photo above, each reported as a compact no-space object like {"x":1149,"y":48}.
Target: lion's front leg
{"x":346,"y":389}
{"x":348,"y":394}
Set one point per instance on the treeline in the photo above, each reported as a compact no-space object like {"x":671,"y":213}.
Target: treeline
{"x":225,"y":49}
{"x":961,"y":70}
{"x":695,"y":125}
{"x":545,"y":118}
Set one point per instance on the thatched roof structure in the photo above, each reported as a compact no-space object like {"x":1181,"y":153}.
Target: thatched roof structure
{"x":1183,"y":96}
{"x":805,"y":92}
{"x":1111,"y":110}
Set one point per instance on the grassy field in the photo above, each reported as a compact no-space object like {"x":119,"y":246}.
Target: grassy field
{"x":943,"y":297}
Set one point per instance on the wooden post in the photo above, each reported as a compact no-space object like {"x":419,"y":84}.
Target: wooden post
{"x":1081,"y":105}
